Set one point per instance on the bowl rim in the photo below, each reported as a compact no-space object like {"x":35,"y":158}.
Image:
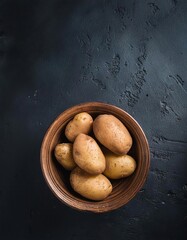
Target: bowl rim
{"x":50,"y":182}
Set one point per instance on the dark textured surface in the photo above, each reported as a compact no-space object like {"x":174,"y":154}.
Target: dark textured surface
{"x":54,"y":54}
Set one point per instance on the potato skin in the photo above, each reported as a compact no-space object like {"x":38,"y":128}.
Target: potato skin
{"x":64,"y":155}
{"x":112,"y":133}
{"x":88,"y":155}
{"x":118,"y":166}
{"x":81,"y":123}
{"x":93,"y":187}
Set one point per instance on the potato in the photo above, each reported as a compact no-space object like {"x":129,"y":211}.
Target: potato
{"x":64,"y":155}
{"x":112,"y":133}
{"x":118,"y":166}
{"x":81,"y":123}
{"x":88,"y":155}
{"x":94,"y":187}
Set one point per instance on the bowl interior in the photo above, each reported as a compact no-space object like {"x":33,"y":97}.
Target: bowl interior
{"x":58,"y":178}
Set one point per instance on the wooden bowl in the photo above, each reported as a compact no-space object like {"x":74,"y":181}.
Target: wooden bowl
{"x":58,"y":179}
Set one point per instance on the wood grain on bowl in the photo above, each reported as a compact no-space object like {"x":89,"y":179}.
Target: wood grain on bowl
{"x":58,"y":179}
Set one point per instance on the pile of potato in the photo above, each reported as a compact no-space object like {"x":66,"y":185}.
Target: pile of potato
{"x":93,"y":162}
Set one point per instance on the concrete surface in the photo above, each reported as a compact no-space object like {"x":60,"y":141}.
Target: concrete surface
{"x":55,"y":54}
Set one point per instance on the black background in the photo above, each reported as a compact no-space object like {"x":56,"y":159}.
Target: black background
{"x":55,"y":54}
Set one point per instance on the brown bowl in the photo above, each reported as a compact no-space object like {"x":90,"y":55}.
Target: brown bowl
{"x":58,"y":179}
